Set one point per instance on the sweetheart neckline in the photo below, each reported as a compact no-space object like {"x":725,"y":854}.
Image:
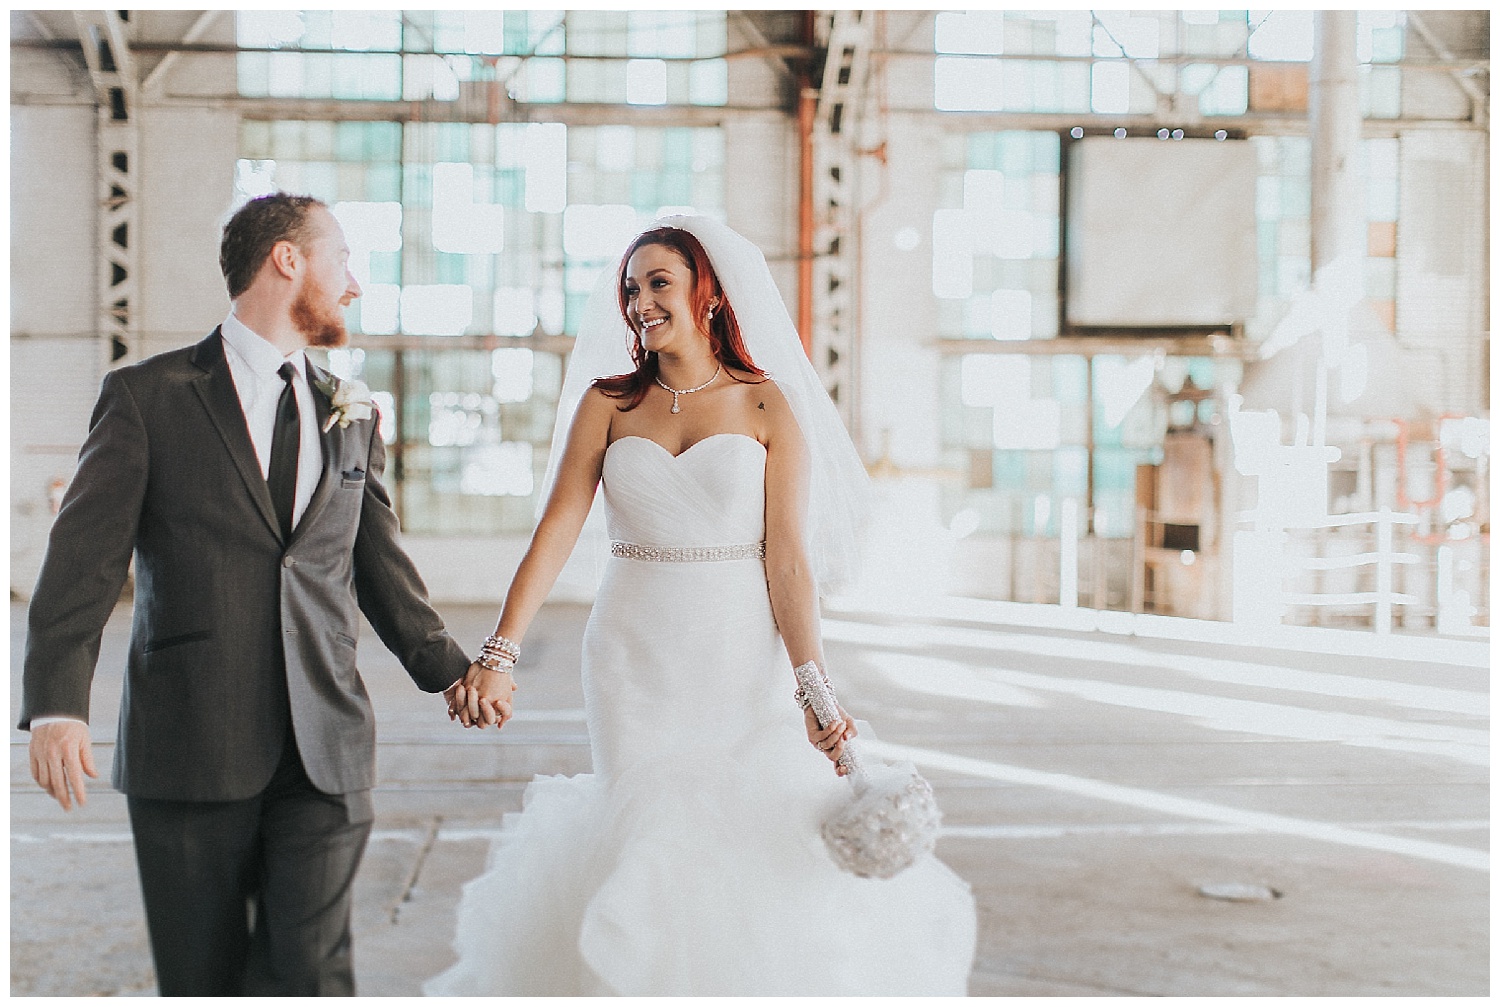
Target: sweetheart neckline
{"x":669,"y":454}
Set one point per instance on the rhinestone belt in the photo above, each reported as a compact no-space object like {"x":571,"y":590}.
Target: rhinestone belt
{"x":687,"y":554}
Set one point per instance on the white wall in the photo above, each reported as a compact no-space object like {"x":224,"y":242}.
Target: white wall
{"x":56,"y":363}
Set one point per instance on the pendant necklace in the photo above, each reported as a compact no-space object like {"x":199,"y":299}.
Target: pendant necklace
{"x":687,"y":391}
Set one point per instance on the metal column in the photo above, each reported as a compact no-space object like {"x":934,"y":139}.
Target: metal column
{"x":834,"y":340}
{"x":1337,"y":216}
{"x":106,"y":50}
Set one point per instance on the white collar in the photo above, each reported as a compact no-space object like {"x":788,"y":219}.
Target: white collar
{"x":254,"y":350}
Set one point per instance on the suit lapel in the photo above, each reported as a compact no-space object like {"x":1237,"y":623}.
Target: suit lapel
{"x":333,"y":444}
{"x":216,"y":388}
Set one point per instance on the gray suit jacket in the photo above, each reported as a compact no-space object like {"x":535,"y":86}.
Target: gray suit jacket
{"x":234,"y":629}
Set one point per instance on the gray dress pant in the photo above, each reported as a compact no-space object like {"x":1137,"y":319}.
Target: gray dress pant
{"x":252,"y":897}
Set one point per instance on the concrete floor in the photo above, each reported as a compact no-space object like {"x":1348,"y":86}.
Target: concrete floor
{"x":1091,"y":783}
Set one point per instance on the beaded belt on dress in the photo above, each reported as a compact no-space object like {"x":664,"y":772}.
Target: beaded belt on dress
{"x":687,"y":554}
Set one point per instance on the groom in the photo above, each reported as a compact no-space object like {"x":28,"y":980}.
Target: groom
{"x":260,"y":530}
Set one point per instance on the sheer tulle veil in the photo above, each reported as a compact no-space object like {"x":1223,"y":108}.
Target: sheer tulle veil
{"x":839,"y":489}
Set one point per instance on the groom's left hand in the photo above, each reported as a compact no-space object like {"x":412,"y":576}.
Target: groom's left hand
{"x":481,"y":698}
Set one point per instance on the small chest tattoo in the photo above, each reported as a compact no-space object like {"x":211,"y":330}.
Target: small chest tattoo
{"x":761,"y":406}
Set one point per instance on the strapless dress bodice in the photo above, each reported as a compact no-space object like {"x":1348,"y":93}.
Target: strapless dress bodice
{"x":711,"y":494}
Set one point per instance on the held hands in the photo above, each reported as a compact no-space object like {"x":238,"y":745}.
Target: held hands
{"x":830,"y":740}
{"x":481,"y":698}
{"x":60,"y":758}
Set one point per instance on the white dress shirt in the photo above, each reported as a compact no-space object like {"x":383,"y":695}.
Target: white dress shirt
{"x":254,"y":363}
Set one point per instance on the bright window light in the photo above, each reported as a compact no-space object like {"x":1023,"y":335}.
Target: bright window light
{"x":286,"y":80}
{"x":513,"y":368}
{"x":484,"y":31}
{"x":708,"y":82}
{"x":459,"y":224}
{"x":1122,"y":384}
{"x":268,"y":29}
{"x":346,"y":363}
{"x":1028,"y":424}
{"x":1139,"y":37}
{"x":965,"y":84}
{"x":614,"y":148}
{"x":542,"y":79}
{"x":984,"y":196}
{"x":1013,"y":235}
{"x":368,"y":227}
{"x":1200,"y":16}
{"x":449,"y":424}
{"x":379,"y":309}
{"x":437,"y":309}
{"x":546,"y":167}
{"x":662,"y":33}
{"x":1194,"y":77}
{"x":515,"y":312}
{"x":1111,"y":88}
{"x":504,"y":469}
{"x":972,"y":31}
{"x":1282,"y":35}
{"x":385,"y":406}
{"x":1010,"y":314}
{"x":646,"y":82}
{"x":254,"y":178}
{"x":426,"y":77}
{"x":988,"y":379}
{"x":597,"y":232}
{"x":551,"y":309}
{"x":365,"y":30}
{"x":1075,"y":33}
{"x":1228,"y":93}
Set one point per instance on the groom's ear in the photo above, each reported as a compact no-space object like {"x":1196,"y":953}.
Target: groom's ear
{"x":285,"y":258}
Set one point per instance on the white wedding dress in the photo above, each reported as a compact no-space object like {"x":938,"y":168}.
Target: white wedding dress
{"x":690,"y":862}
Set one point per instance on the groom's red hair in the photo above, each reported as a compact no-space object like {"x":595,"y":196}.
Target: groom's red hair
{"x":724,"y":337}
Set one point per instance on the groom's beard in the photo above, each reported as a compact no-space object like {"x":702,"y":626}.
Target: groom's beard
{"x":322,"y":325}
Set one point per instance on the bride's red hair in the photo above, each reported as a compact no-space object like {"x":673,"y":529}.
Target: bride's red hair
{"x":724,"y":339}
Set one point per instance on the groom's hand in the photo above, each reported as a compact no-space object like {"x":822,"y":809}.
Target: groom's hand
{"x":60,"y":757}
{"x":481,"y":698}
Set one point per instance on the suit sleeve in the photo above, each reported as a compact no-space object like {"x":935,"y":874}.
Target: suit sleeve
{"x":87,"y":558}
{"x":391,"y":592}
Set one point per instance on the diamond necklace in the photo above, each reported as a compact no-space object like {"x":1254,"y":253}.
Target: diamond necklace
{"x":687,"y":391}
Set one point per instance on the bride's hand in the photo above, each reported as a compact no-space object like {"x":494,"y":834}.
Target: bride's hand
{"x":830,"y":740}
{"x":481,"y":698}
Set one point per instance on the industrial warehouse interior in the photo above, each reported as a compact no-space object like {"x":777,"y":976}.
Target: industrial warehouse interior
{"x":1162,"y":336}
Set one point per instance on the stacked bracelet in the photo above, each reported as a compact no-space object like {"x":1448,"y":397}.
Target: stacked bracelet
{"x":498,"y":653}
{"x":801,"y":694}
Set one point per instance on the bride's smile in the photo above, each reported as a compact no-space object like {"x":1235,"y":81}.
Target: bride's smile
{"x":658,"y":284}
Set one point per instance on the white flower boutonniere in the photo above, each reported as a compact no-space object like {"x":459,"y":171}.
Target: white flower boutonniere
{"x":349,"y":400}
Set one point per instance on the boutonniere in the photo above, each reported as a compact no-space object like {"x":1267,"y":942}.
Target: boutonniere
{"x":349,"y":401}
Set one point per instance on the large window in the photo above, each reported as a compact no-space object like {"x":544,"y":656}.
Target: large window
{"x":477,"y":246}
{"x":995,"y":242}
{"x":1018,"y":426}
{"x":635,"y":57}
{"x":1116,"y":62}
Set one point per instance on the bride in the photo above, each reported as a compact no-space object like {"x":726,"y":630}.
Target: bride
{"x":690,"y":862}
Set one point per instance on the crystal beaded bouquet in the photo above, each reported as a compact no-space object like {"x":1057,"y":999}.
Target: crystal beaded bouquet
{"x":891,"y":818}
